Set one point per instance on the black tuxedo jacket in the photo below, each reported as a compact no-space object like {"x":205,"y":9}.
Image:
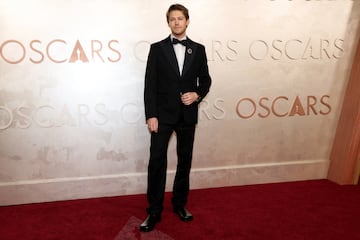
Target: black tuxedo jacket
{"x":164,"y":84}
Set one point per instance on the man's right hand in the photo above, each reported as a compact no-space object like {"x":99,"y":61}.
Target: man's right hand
{"x":153,"y":124}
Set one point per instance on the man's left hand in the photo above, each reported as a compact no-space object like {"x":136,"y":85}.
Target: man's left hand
{"x":189,"y":97}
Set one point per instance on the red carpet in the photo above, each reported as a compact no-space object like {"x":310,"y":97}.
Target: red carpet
{"x":306,"y":210}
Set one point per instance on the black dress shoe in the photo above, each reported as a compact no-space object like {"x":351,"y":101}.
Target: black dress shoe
{"x":183,"y":214}
{"x":150,"y":222}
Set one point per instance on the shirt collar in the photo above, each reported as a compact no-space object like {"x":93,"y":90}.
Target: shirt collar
{"x":172,"y":37}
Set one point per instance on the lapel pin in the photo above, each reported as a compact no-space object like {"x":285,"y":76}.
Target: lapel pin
{"x":189,"y":51}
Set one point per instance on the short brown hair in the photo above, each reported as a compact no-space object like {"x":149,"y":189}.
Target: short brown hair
{"x":178,"y":7}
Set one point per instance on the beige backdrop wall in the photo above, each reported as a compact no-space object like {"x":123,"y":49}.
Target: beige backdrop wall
{"x":71,"y":93}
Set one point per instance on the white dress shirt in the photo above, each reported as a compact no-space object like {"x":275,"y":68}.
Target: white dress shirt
{"x":180,"y":53}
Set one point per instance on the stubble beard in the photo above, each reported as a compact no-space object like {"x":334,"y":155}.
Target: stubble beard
{"x":182,"y":33}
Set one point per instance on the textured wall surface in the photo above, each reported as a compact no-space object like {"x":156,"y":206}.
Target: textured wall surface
{"x":71,"y":93}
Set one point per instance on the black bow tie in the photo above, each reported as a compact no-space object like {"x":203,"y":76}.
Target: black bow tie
{"x":176,"y":41}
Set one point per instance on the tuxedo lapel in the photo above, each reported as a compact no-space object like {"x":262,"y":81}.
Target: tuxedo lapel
{"x":170,"y":54}
{"x":189,"y":55}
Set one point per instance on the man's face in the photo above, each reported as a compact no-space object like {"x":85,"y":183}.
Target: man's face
{"x":178,"y":23}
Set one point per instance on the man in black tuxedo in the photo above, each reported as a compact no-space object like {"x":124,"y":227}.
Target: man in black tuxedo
{"x":176,"y":80}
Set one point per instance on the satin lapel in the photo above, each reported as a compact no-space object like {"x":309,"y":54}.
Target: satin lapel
{"x":189,"y":55}
{"x":170,"y":54}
